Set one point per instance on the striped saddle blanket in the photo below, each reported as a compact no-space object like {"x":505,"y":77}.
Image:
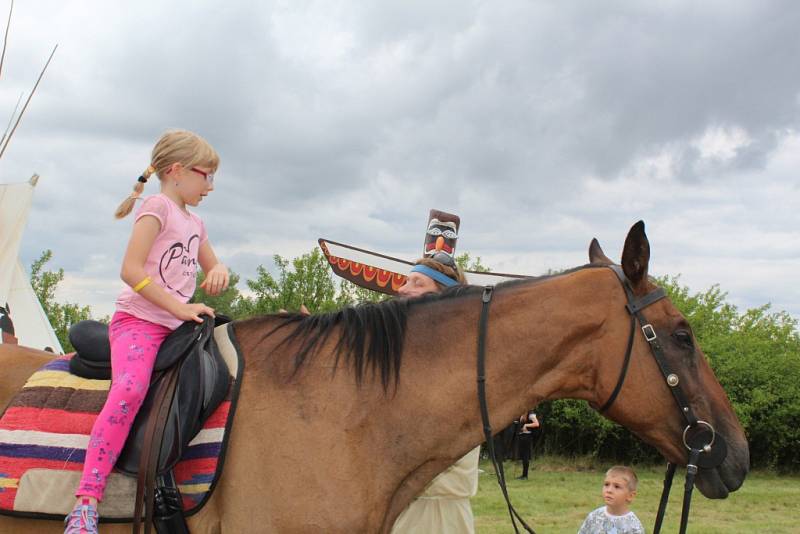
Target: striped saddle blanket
{"x":45,"y":430}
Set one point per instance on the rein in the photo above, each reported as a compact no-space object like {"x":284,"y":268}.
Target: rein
{"x":695,"y":435}
{"x":487,"y":428}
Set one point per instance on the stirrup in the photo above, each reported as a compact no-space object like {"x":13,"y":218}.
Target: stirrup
{"x":82,"y":519}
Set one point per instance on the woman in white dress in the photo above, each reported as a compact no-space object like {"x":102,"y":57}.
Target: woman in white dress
{"x":444,"y":506}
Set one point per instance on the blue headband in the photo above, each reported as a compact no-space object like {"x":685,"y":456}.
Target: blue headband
{"x":434,"y":274}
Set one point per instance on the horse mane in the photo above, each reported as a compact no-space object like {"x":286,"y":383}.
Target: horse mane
{"x":370,"y":335}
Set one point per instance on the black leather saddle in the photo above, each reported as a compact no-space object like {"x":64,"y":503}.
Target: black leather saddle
{"x":190,"y":379}
{"x":202,"y":384}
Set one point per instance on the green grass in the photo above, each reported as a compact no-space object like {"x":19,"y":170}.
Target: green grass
{"x":559,"y":493}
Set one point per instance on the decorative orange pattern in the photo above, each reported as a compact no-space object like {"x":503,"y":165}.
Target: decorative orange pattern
{"x":373,"y":276}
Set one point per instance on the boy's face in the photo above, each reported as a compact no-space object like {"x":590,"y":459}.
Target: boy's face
{"x":616,"y":494}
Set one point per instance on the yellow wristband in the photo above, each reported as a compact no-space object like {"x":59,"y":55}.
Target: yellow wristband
{"x":141,"y":285}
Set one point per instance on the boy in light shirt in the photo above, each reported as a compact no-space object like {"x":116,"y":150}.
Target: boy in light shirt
{"x":619,"y":490}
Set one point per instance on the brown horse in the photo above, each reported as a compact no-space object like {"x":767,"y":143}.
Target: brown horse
{"x":344,"y":417}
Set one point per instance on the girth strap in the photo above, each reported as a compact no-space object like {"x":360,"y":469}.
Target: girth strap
{"x":487,"y":427}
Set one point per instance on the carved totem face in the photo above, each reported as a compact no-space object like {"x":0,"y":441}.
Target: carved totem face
{"x":442,"y":233}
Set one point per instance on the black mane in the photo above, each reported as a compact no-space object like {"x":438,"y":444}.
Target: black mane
{"x":371,"y":335}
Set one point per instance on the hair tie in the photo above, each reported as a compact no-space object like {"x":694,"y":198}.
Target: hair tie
{"x":148,"y":172}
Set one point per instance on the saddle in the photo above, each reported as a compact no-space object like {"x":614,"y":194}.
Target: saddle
{"x":190,"y":379}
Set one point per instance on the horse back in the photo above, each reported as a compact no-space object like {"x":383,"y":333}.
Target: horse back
{"x":18,"y":364}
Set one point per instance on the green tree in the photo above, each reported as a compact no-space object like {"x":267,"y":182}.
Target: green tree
{"x":756,"y":357}
{"x":60,"y":315}
{"x":308,"y":280}
{"x":466,"y":262}
{"x":305,"y":280}
{"x":230,"y":302}
{"x":350,"y":293}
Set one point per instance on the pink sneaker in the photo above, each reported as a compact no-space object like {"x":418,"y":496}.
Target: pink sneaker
{"x":82,"y":520}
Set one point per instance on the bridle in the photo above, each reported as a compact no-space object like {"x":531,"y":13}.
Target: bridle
{"x":706,"y":448}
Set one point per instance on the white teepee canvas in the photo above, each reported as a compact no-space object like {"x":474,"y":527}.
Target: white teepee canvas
{"x":17,"y":299}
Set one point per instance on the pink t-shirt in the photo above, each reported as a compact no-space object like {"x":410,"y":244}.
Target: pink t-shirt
{"x":172,"y":261}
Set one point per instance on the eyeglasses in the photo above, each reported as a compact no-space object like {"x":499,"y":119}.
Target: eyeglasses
{"x":209,"y":176}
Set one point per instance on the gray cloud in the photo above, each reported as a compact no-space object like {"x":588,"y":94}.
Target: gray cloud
{"x":542,"y":124}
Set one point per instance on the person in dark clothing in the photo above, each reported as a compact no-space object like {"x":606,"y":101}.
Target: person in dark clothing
{"x":530,"y":428}
{"x":504,"y":442}
{"x":6,"y":325}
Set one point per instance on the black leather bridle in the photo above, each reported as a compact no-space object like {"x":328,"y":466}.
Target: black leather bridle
{"x":706,"y":448}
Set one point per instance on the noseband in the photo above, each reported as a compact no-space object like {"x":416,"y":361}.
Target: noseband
{"x":706,"y":448}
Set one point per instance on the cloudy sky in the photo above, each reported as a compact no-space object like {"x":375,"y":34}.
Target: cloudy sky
{"x":541,"y":123}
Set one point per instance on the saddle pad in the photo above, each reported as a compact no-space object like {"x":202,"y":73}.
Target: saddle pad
{"x":45,"y":430}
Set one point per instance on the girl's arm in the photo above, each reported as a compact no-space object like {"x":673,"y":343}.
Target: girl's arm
{"x":144,"y":234}
{"x":216,"y":273}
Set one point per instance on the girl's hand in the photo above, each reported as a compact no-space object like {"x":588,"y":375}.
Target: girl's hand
{"x":302,"y":311}
{"x":216,"y":280}
{"x":192,"y":312}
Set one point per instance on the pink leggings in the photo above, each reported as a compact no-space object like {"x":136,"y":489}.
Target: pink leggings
{"x":134,"y":345}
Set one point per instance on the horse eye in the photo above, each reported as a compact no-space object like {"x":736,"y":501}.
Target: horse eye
{"x":683,"y":337}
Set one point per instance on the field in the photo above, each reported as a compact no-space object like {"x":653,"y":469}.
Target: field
{"x":559,"y":493}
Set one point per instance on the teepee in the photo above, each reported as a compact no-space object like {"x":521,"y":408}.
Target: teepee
{"x":22,"y":318}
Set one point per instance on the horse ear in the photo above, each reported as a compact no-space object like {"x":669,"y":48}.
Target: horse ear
{"x":596,"y":254}
{"x":636,"y":255}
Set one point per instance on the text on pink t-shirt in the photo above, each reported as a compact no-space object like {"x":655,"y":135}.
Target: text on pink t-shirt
{"x":171,"y":262}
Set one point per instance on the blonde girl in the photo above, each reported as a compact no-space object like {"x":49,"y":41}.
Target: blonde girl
{"x":159,"y":269}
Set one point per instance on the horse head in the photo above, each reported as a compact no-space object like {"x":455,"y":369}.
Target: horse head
{"x":668,"y":385}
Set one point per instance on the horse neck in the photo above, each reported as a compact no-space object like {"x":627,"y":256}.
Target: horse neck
{"x":404,"y":437}
{"x":543,"y":340}
{"x":554,"y":335}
